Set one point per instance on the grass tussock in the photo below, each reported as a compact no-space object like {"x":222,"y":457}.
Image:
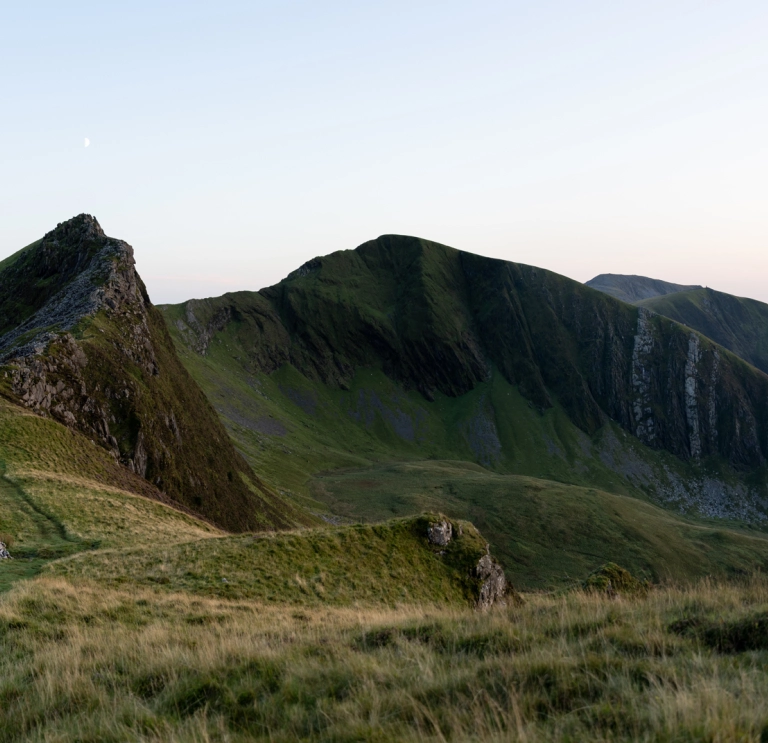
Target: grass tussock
{"x":91,"y":664}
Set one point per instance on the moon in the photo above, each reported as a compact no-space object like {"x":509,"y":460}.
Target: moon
{"x":87,"y":142}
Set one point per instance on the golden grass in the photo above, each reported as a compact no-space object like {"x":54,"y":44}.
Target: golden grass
{"x":78,"y":662}
{"x":90,"y":510}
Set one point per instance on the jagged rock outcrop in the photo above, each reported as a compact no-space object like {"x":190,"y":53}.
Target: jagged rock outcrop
{"x":81,"y":342}
{"x":493,"y":583}
{"x":440,"y":533}
{"x":485,"y":574}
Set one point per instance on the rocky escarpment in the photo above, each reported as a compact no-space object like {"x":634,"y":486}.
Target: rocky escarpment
{"x":736,"y":323}
{"x":82,"y":343}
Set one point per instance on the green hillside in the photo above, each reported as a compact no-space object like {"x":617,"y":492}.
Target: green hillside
{"x":737,"y":323}
{"x":319,"y":382}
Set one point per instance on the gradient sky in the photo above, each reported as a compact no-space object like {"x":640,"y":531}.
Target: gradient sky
{"x":233,"y":141}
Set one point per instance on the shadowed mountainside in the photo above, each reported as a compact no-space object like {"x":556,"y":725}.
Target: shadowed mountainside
{"x":81,"y":342}
{"x":438,"y":320}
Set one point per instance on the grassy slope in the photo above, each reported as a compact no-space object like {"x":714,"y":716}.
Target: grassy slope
{"x":84,"y":662}
{"x":60,"y":494}
{"x":737,"y":323}
{"x":549,"y":504}
{"x":545,"y":533}
{"x":389,"y":563}
{"x":64,"y":501}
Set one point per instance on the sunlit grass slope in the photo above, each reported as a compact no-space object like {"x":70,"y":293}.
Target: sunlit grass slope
{"x":82,"y":662}
{"x":61,"y":494}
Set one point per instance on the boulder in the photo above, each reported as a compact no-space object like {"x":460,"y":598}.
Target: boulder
{"x":440,"y":533}
{"x":4,"y":554}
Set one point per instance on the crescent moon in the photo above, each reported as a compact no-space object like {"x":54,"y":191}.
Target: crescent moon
{"x":87,"y":141}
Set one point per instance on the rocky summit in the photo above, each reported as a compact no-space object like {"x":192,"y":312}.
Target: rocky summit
{"x":82,"y":343}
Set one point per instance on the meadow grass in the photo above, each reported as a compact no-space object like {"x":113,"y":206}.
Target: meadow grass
{"x":81,"y":662}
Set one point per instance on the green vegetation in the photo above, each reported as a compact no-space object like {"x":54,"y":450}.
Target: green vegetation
{"x":60,"y":494}
{"x":544,"y":533}
{"x":110,"y":371}
{"x":389,"y":563}
{"x":635,"y":289}
{"x":547,"y":498}
{"x":737,"y":323}
{"x":82,"y":662}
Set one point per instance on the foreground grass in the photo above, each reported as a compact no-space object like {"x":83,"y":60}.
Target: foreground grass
{"x":81,"y":662}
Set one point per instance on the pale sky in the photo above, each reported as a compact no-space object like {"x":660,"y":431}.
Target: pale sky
{"x":233,"y":141}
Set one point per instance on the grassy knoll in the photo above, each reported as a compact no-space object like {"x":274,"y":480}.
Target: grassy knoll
{"x":547,"y":533}
{"x":388,"y":563}
{"x":81,"y":662}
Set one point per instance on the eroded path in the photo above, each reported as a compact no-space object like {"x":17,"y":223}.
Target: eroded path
{"x":33,"y":537}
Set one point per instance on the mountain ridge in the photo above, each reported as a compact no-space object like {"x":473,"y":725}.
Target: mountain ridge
{"x":443,"y":318}
{"x":633,"y":288}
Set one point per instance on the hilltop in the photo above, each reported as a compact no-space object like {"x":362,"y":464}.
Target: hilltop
{"x":634,"y":289}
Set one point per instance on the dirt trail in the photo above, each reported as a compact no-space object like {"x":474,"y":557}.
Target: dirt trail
{"x":32,"y":536}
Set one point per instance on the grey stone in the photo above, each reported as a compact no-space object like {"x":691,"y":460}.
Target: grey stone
{"x":4,"y":554}
{"x":440,"y":533}
{"x":493,"y":587}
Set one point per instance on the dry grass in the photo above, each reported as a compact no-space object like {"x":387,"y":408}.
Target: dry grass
{"x":78,"y":662}
{"x":89,"y":510}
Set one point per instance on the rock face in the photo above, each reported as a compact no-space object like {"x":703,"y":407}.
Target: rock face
{"x":440,"y":533}
{"x":81,"y":342}
{"x":4,"y":554}
{"x":494,"y":587}
{"x":489,"y":586}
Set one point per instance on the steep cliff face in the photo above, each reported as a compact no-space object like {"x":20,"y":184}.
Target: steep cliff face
{"x":439,"y":320}
{"x":82,"y":343}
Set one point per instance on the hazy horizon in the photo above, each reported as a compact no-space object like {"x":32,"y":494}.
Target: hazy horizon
{"x":229,"y":144}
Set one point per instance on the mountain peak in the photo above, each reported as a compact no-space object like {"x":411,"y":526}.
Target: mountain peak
{"x":79,"y":229}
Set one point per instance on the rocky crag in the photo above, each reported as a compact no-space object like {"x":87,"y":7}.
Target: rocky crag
{"x":736,"y":323}
{"x":81,"y":342}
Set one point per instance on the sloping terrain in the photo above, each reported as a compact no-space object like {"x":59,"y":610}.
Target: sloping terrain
{"x":634,"y":289}
{"x":60,"y":494}
{"x":736,"y":323}
{"x":473,"y":357}
{"x":81,"y":342}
